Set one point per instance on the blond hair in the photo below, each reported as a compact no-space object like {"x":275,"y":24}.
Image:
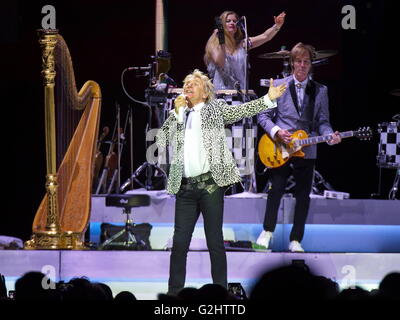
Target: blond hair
{"x":208,"y":86}
{"x":231,"y":42}
{"x":299,"y":49}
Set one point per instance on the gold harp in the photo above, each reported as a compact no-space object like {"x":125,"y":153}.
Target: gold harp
{"x":71,"y":124}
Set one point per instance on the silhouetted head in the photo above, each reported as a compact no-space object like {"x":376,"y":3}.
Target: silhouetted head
{"x":125,"y":296}
{"x":390,"y":286}
{"x":188,"y":293}
{"x":212,"y":291}
{"x":33,"y":285}
{"x":288,"y":282}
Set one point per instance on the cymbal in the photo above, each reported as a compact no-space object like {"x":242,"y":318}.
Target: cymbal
{"x":322,"y":54}
{"x":275,"y":55}
{"x":283,"y":54}
{"x":395,"y":92}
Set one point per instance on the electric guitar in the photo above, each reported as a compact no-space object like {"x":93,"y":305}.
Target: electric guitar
{"x":274,"y":154}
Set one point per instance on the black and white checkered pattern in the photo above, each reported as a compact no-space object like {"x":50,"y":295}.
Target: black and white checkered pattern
{"x":389,"y":145}
{"x":242,"y":137}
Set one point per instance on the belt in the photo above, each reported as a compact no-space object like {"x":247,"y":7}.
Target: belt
{"x":203,"y":181}
{"x":201,"y":178}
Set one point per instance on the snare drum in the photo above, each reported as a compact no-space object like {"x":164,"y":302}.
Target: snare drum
{"x":389,"y":145}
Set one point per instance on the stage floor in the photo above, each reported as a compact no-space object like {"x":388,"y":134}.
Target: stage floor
{"x":350,"y":225}
{"x":145,"y":273}
{"x":352,"y":241}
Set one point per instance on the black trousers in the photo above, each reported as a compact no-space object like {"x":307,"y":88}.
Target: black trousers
{"x":303,"y":172}
{"x":188,"y":205}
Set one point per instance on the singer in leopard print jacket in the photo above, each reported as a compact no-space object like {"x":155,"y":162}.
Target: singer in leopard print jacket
{"x":214,"y":116}
{"x":210,"y":167}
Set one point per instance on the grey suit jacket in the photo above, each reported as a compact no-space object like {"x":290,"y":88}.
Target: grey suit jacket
{"x":314,"y":120}
{"x":214,"y":116}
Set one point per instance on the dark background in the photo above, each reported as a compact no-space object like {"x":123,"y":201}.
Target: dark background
{"x":105,"y":37}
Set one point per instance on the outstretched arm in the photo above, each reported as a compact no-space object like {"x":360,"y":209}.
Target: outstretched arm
{"x":233,"y":113}
{"x":268,"y":34}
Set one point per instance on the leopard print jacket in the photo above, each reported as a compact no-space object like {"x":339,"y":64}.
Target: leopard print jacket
{"x":214,"y":116}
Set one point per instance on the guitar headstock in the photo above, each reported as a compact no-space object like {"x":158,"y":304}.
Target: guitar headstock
{"x":363,"y":133}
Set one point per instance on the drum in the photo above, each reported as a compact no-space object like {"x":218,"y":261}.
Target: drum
{"x":389,"y":145}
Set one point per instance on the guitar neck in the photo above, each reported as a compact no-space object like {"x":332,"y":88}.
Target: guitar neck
{"x":319,"y":139}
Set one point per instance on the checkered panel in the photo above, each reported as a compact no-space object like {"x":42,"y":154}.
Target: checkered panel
{"x":389,"y":145}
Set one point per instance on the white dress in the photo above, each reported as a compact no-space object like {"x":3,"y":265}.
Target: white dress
{"x":233,"y":71}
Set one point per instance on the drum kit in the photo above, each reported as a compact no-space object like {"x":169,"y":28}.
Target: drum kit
{"x":320,"y":58}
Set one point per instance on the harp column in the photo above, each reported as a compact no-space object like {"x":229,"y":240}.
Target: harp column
{"x":48,"y":43}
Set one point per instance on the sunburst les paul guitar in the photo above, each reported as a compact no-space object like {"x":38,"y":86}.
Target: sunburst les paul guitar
{"x":274,"y":154}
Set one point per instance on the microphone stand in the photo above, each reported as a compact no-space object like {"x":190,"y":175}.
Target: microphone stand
{"x":249,"y":182}
{"x":149,"y":168}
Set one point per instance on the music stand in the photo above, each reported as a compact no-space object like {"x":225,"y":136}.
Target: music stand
{"x":127,"y":202}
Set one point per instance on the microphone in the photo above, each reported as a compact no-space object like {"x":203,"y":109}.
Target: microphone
{"x":221,"y":32}
{"x":241,"y":22}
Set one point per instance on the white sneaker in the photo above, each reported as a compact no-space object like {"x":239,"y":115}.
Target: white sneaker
{"x":295,"y":246}
{"x":264,"y":238}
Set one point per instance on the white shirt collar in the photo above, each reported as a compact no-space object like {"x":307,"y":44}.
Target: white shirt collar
{"x":197,"y":107}
{"x":304,"y":83}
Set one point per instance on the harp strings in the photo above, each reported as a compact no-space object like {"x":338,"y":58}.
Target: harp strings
{"x":69,"y":111}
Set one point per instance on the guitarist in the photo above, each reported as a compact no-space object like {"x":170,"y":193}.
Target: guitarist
{"x":303,"y":107}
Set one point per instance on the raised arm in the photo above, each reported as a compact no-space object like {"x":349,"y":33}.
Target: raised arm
{"x":268,"y":34}
{"x":218,"y":52}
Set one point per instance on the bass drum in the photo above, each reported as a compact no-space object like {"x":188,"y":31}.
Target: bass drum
{"x":389,"y":145}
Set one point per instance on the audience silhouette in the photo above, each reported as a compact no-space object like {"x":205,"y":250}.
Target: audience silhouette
{"x":285,"y":282}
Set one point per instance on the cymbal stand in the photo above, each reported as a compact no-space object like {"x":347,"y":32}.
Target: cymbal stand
{"x":116,"y":178}
{"x":286,"y":65}
{"x":378,"y":158}
{"x":395,"y":188}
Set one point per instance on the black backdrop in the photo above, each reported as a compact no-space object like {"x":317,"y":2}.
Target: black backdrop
{"x":105,"y":37}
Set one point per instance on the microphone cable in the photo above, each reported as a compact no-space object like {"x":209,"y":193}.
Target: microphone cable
{"x":127,"y":94}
